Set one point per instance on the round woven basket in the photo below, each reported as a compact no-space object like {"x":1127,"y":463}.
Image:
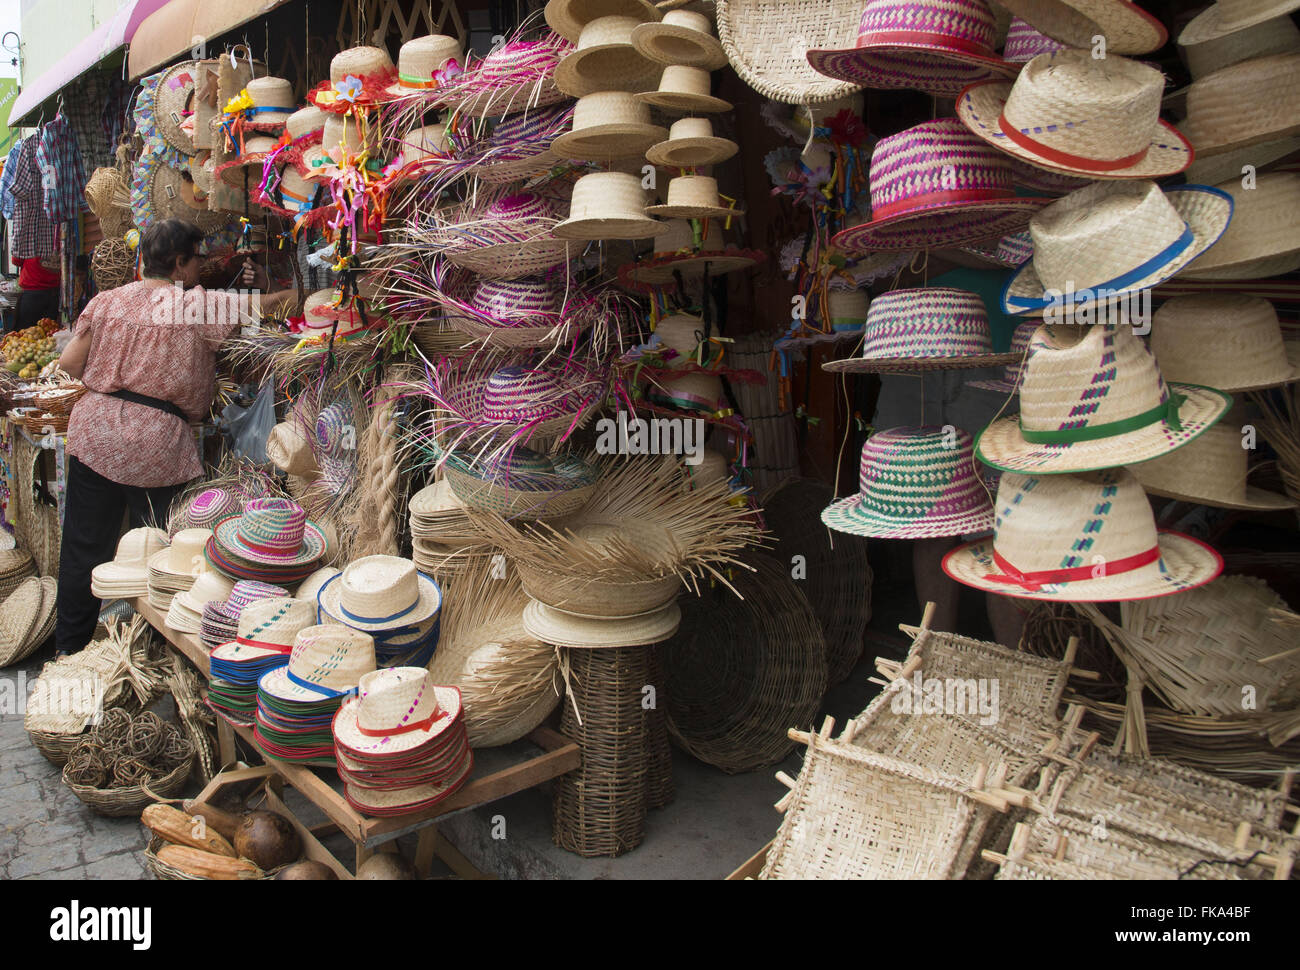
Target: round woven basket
{"x":599,"y":599}
{"x":112,"y":264}
{"x":477,"y":493}
{"x":60,"y":400}
{"x":56,"y":747}
{"x":742,"y":672}
{"x":132,"y":800}
{"x":41,"y":423}
{"x":837,"y":579}
{"x":659,"y":787}
{"x":108,"y":193}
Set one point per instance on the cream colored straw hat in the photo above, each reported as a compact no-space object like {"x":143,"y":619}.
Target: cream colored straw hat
{"x":578,"y":632}
{"x":419,"y":61}
{"x":568,"y":17}
{"x":1092,"y":401}
{"x":1080,"y":538}
{"x":693,"y":197}
{"x":326,"y":661}
{"x":1232,"y":164}
{"x":691,"y":143}
{"x":1212,"y":470}
{"x":403,"y":700}
{"x":1276,"y":36}
{"x":1113,"y":238}
{"x":1261,"y":241}
{"x":608,"y":205}
{"x":1070,"y":113}
{"x":184,"y":557}
{"x":608,"y":124}
{"x":360,"y":62}
{"x":605,"y":60}
{"x":683,"y":37}
{"x":312,"y":585}
{"x":685,"y":89}
{"x":378,"y":593}
{"x":1128,"y":28}
{"x":268,"y":627}
{"x":1255,"y":101}
{"x":127,"y":574}
{"x":288,"y":449}
{"x":1228,"y":341}
{"x":1229,"y":16}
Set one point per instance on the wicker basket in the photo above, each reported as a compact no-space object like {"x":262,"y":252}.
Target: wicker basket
{"x":56,"y":747}
{"x":60,"y":400}
{"x":162,"y":870}
{"x":659,"y":787}
{"x":42,"y":423}
{"x":117,"y":802}
{"x":742,"y":672}
{"x":477,"y":493}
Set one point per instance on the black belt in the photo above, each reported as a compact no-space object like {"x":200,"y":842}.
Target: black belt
{"x":157,"y":404}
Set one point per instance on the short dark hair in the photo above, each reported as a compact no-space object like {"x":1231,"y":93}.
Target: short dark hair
{"x":162,"y":242}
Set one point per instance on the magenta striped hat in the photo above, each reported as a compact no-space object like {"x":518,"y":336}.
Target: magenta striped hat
{"x":246,"y":591}
{"x":521,"y":394}
{"x":935,"y":186}
{"x":936,"y":46}
{"x":516,"y":76}
{"x":1009,"y":252}
{"x":209,"y":507}
{"x":271,"y":530}
{"x":1025,"y":42}
{"x":936,"y":328}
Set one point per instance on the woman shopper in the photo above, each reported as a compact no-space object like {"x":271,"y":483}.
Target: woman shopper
{"x":147,"y":355}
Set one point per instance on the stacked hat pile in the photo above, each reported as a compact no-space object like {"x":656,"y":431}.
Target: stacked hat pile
{"x":127,"y":573}
{"x":15,"y":566}
{"x":185,"y":614}
{"x":220,"y":620}
{"x":175,"y":568}
{"x":266,"y":633}
{"x":271,"y":541}
{"x":297,"y":701}
{"x":27,"y":617}
{"x":443,"y":539}
{"x":401,"y":742}
{"x":392,"y":602}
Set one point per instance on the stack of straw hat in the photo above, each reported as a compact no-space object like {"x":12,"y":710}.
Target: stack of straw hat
{"x":127,"y":573}
{"x":15,"y":566}
{"x":271,"y":541}
{"x":443,"y":539}
{"x":220,"y":621}
{"x":390,"y":600}
{"x":185,"y":613}
{"x":266,"y":633}
{"x":175,"y":568}
{"x":27,"y":618}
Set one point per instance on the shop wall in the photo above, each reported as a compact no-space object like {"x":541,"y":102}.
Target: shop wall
{"x":50,"y":28}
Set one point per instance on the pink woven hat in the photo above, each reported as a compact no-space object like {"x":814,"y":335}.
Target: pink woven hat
{"x":396,"y":710}
{"x":916,"y":483}
{"x":208,"y":508}
{"x":520,"y":144}
{"x":1126,"y":27}
{"x":1068,"y":112}
{"x":935,"y":328}
{"x":937,"y":185}
{"x":516,"y":77}
{"x":273,"y":531}
{"x":1080,"y":538}
{"x":1111,"y":239}
{"x":1025,"y":42}
{"x":936,"y":46}
{"x":381,"y":593}
{"x":516,"y":313}
{"x":522,"y":395}
{"x":1008,"y":252}
{"x":1095,"y":400}
{"x":1021,"y":346}
{"x":512,"y":236}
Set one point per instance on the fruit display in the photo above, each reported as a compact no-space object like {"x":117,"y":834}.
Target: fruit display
{"x":27,"y":352}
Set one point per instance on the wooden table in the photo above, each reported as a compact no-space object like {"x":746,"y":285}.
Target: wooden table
{"x":558,"y":755}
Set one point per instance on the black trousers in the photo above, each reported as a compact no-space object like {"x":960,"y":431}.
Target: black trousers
{"x":92,"y":520}
{"x":34,"y":305}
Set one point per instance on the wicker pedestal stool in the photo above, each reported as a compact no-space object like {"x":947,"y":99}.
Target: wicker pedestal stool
{"x":614,"y":711}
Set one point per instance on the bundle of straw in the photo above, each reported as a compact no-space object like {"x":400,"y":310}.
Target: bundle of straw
{"x":1281,"y":426}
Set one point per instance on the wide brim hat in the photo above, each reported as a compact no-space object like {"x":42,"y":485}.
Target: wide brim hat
{"x":609,"y":205}
{"x":171,"y":195}
{"x":684,"y":90}
{"x":226,"y":536}
{"x":568,"y":17}
{"x":1205,"y":210}
{"x":522,"y":145}
{"x":940,"y":224}
{"x":615,"y":135}
{"x":1228,"y":341}
{"x":1261,"y":240}
{"x":680,"y":38}
{"x":404,"y":801}
{"x":1210,"y":471}
{"x":347,"y":728}
{"x":605,"y":60}
{"x":980,"y":108}
{"x":553,"y":489}
{"x":1219,"y":20}
{"x":693,"y":197}
{"x":1229,"y":165}
{"x":1128,"y":28}
{"x":908,"y":365}
{"x":691,"y":152}
{"x":434,"y":50}
{"x":288,"y":449}
{"x":422,"y":611}
{"x":173,"y":100}
{"x":1245,"y":104}
{"x":579,"y":632}
{"x":852,"y":516}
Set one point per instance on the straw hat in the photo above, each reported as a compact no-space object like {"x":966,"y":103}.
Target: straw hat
{"x":397,"y":710}
{"x":320,"y":314}
{"x":184,"y":557}
{"x":935,"y":328}
{"x":378,"y":593}
{"x":1112,"y":238}
{"x":292,"y":196}
{"x":608,"y":124}
{"x":1276,"y":36}
{"x":691,"y":143}
{"x":172,"y":196}
{"x":273,"y":100}
{"x":1212,"y":470}
{"x":1245,"y":104}
{"x":1232,"y":164}
{"x":173,"y":102}
{"x":682,"y":333}
{"x":520,"y":313}
{"x":577,"y":632}
{"x":937,"y":185}
{"x":1128,"y":28}
{"x":1068,"y":112}
{"x":608,"y":205}
{"x":1225,"y":340}
{"x":568,"y":17}
{"x":1261,"y":239}
{"x":1055,"y":534}
{"x":691,"y":391}
{"x":420,"y":62}
{"x":846,"y":311}
{"x":916,"y":483}
{"x":1229,"y":16}
{"x":676,"y":252}
{"x":427,"y":141}
{"x":1095,"y":401}
{"x":208,"y":508}
{"x":209,"y":586}
{"x":360,"y":62}
{"x":936,"y":46}
{"x":312,"y":585}
{"x":516,"y":77}
{"x":273,"y":531}
{"x":1021,"y":346}
{"x":683,"y":37}
{"x":288,"y":449}
{"x":248,"y":164}
{"x":326,"y":661}
{"x":605,"y":60}
{"x":1008,"y":252}
{"x":127,"y":574}
{"x":684,"y":89}
{"x":693,"y":197}
{"x":523,"y":484}
{"x":1025,"y":42}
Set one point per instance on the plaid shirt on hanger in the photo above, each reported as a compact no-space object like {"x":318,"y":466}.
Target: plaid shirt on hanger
{"x":33,"y":231}
{"x":62,"y":172}
{"x":7,"y":200}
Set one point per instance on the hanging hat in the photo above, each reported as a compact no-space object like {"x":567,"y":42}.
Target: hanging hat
{"x":677,"y":252}
{"x":681,"y":333}
{"x":522,"y":395}
{"x":608,"y":205}
{"x":1025,"y":42}
{"x":359,"y":77}
{"x":1245,"y":104}
{"x":937,"y":185}
{"x":326,"y":661}
{"x":173,"y":102}
{"x":693,"y":197}
{"x":1068,"y":112}
{"x":517,"y":77}
{"x":421,"y":64}
{"x":846,"y":311}
{"x":1261,"y":240}
{"x":342,"y":137}
{"x":306,"y":129}
{"x":523,"y":483}
{"x":515,"y":313}
{"x":336,"y":445}
{"x":1212,"y":470}
{"x":1229,"y":341}
{"x":683,"y":90}
{"x":1279,"y":35}
{"x":568,"y":17}
{"x":1128,"y":28}
{"x":1112,"y":238}
{"x":522,"y":145}
{"x":1009,"y":252}
{"x":608,"y":124}
{"x":397,"y":710}
{"x":562,"y":629}
{"x":936,"y":46}
{"x":1231,"y":165}
{"x":1021,"y":346}
{"x":936,"y":328}
{"x":1230,"y":16}
{"x":683,"y":37}
{"x":184,"y":557}
{"x":1095,"y":401}
{"x":692,"y":391}
{"x":605,"y":60}
{"x":273,"y":531}
{"x":691,"y":144}
{"x":127,"y":574}
{"x":321,"y":314}
{"x":288,"y":449}
{"x":273,"y":100}
{"x":1080,"y":538}
{"x":172,"y":196}
{"x":246,"y":167}
{"x":378,"y":593}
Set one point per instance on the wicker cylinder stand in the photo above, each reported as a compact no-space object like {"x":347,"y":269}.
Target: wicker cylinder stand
{"x":600,"y":808}
{"x":659,"y":788}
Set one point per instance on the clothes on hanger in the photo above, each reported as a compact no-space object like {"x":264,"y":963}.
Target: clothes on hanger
{"x":63,"y":175}
{"x":33,"y":232}
{"x":7,"y":201}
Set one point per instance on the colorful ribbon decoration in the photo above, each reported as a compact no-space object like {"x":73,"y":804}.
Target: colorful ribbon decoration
{"x":421,"y":725}
{"x":1033,"y":581}
{"x":1021,"y":137}
{"x":1166,"y":411}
